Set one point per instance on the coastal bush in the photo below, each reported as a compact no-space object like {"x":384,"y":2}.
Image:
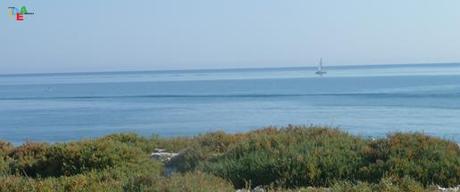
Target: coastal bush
{"x":75,"y":183}
{"x":73,"y":158}
{"x":189,"y":159}
{"x":25,"y":158}
{"x":296,"y":156}
{"x":426,"y":159}
{"x":4,"y":165}
{"x":292,"y":157}
{"x":80,"y":183}
{"x":201,"y":148}
{"x":131,"y":139}
{"x":193,"y":181}
{"x":173,"y":144}
{"x":105,"y":181}
{"x":405,"y":184}
{"x":5,"y":149}
{"x":219,"y":142}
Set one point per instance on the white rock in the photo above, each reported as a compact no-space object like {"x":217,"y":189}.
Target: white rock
{"x":162,"y":155}
{"x":258,"y":189}
{"x":242,"y":190}
{"x":159,"y":150}
{"x":453,"y":189}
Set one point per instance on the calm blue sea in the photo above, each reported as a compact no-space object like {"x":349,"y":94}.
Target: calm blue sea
{"x":365,"y":100}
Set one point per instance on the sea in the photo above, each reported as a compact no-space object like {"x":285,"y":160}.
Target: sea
{"x":369,"y":101}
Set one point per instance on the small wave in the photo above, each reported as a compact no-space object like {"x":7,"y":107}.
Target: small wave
{"x":371,"y":95}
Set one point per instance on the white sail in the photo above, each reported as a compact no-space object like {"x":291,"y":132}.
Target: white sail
{"x":321,"y":71}
{"x":320,"y":67}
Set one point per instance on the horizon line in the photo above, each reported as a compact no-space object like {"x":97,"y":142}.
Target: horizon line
{"x":219,"y":69}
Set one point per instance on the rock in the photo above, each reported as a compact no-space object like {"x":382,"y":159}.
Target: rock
{"x":257,"y":189}
{"x":166,"y":157}
{"x":242,"y":190}
{"x":162,"y":155}
{"x":159,"y":150}
{"x":453,"y":189}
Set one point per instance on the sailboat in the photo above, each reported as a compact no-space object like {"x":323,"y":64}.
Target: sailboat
{"x":321,"y":71}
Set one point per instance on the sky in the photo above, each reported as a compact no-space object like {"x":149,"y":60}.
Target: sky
{"x":116,"y":35}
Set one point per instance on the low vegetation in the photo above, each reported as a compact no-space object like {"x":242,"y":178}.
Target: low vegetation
{"x":294,"y":158}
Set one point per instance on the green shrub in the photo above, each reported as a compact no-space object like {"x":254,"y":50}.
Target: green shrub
{"x":26,"y":156}
{"x":300,"y":156}
{"x":173,"y":144}
{"x":289,"y":159}
{"x":15,"y":184}
{"x":112,"y":179}
{"x":73,"y":158}
{"x":384,"y":185}
{"x":202,"y":148}
{"x":194,"y":181}
{"x":5,"y":149}
{"x":133,"y":140}
{"x":189,"y":159}
{"x":426,"y":159}
{"x":83,"y":183}
{"x":293,"y":157}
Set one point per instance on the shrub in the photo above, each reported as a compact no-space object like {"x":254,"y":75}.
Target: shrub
{"x":15,"y":184}
{"x":5,"y":149}
{"x":133,"y":140}
{"x":300,"y":156}
{"x":202,"y":148}
{"x":26,"y":156}
{"x":287,"y":159}
{"x":194,"y":181}
{"x":73,"y":158}
{"x":173,"y":144}
{"x":426,"y":159}
{"x":384,"y":185}
{"x":293,"y":157}
{"x":189,"y":159}
{"x":111,"y":179}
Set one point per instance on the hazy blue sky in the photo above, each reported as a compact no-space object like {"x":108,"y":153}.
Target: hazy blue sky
{"x":95,"y":35}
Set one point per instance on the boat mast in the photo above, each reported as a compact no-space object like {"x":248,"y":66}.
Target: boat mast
{"x":320,"y":67}
{"x":320,"y":71}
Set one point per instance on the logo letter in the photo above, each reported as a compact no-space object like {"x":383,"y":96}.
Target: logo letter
{"x":12,"y":11}
{"x":23,"y":10}
{"x":19,"y":17}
